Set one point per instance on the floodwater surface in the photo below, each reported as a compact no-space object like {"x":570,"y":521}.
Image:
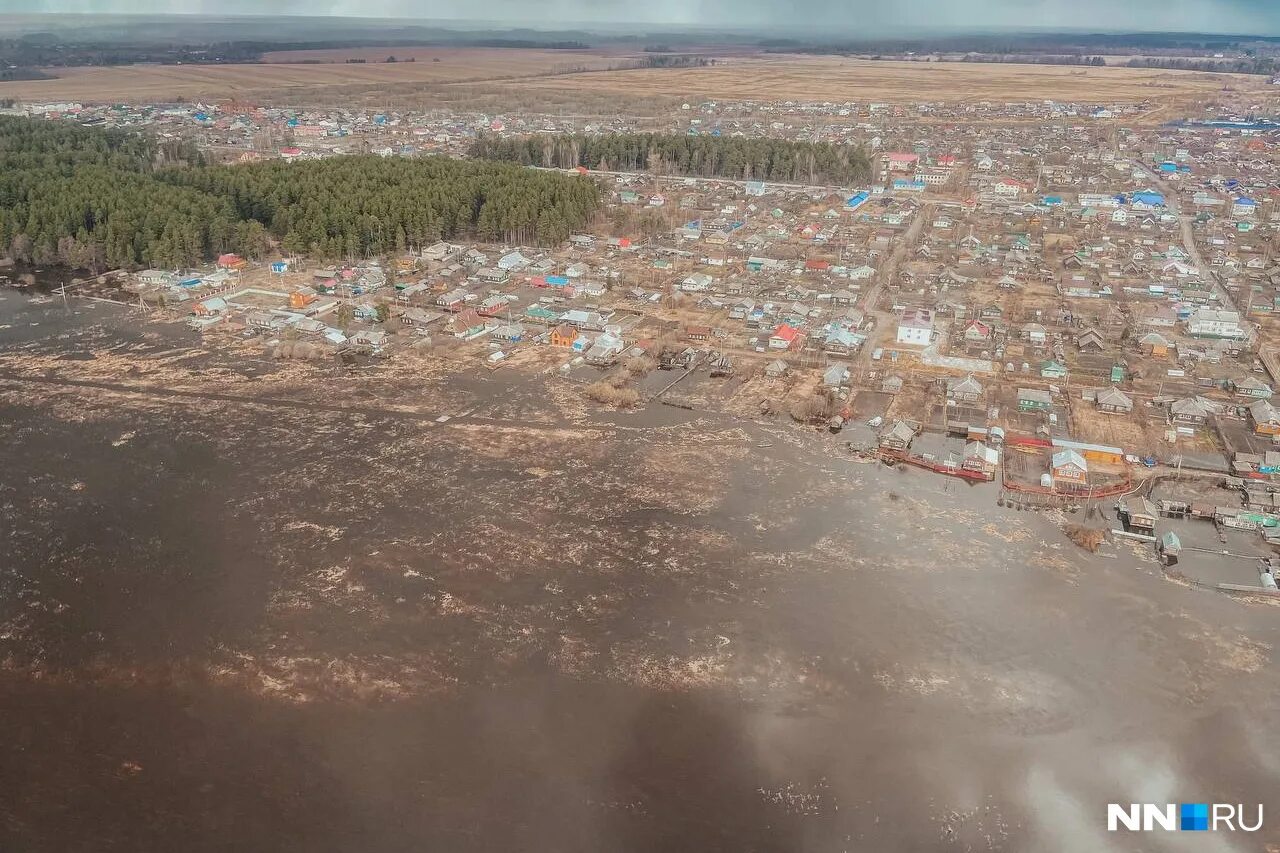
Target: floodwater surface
{"x":258,"y":605}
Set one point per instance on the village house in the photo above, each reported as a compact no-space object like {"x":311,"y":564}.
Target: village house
{"x":1160,"y":317}
{"x":1193,"y":410}
{"x":563,"y":335}
{"x":493,"y":275}
{"x":1264,"y":418}
{"x":264,"y":321}
{"x":605,"y":350}
{"x":916,"y":327}
{"x":976,"y":333}
{"x":981,"y":458}
{"x":466,"y":323}
{"x":697,"y":282}
{"x":836,"y":376}
{"x":157,"y":278}
{"x":1253,"y":387}
{"x":442,"y":254}
{"x":840,"y":341}
{"x":591,"y":320}
{"x":419,"y":318}
{"x":303,"y":296}
{"x":1215,"y":323}
{"x":966,"y":390}
{"x":512,"y":262}
{"x":1154,"y":344}
{"x":1008,"y":188}
{"x":371,"y":341}
{"x":1033,"y":400}
{"x":507,"y":333}
{"x":1050,"y":369}
{"x":786,"y":337}
{"x":453,"y":300}
{"x":1069,"y":467}
{"x":309,"y":327}
{"x":1113,"y":401}
{"x":1090,"y":340}
{"x":1138,"y":514}
{"x":897,"y":436}
{"x":492,"y":305}
{"x":410,"y":292}
{"x":211,"y":307}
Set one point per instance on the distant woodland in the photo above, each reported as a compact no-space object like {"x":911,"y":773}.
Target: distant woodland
{"x":1241,"y":65}
{"x":698,"y":156}
{"x":95,"y":199}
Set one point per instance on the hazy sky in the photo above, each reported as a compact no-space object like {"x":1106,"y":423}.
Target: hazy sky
{"x":1234,"y":16}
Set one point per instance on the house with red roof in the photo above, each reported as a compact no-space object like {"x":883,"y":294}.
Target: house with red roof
{"x":786,"y":337}
{"x":898,"y":161}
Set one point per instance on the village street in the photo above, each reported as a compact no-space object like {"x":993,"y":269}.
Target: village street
{"x":884,"y":319}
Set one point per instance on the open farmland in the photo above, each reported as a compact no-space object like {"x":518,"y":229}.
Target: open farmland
{"x":149,"y":83}
{"x":548,"y":73}
{"x":511,"y":61}
{"x":833,"y":79}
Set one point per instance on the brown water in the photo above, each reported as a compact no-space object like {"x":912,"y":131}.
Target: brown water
{"x":237,"y":613}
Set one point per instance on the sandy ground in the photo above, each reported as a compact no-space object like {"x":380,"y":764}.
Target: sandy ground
{"x":249,"y":604}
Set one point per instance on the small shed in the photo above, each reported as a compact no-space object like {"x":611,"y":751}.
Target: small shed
{"x":1169,"y":548}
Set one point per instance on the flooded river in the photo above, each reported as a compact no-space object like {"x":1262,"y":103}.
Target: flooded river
{"x":269,"y":606}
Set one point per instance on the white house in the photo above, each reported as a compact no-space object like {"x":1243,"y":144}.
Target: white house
{"x":916,"y":327}
{"x":696,"y":283}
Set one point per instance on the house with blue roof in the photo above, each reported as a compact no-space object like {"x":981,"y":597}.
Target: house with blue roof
{"x":856,"y":200}
{"x":1147,"y":200}
{"x":1243,"y":206}
{"x":839,"y":340}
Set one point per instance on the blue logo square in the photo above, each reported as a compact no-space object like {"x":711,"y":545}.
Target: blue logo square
{"x":1194,"y":817}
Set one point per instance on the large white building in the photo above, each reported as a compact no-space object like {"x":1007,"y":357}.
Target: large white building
{"x":933,"y":177}
{"x":916,"y":327}
{"x":1216,"y":323}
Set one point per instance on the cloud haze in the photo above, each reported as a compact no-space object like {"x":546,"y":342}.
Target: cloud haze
{"x":843,"y":16}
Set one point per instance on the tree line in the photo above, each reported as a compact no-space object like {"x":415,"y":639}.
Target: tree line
{"x":97,"y":199}
{"x":1241,"y":65}
{"x":696,"y":156}
{"x":1033,"y":59}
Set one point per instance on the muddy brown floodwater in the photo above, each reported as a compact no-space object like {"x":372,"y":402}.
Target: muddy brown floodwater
{"x":256,"y":605}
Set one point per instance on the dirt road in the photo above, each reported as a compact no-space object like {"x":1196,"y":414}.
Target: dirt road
{"x":885,"y":318}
